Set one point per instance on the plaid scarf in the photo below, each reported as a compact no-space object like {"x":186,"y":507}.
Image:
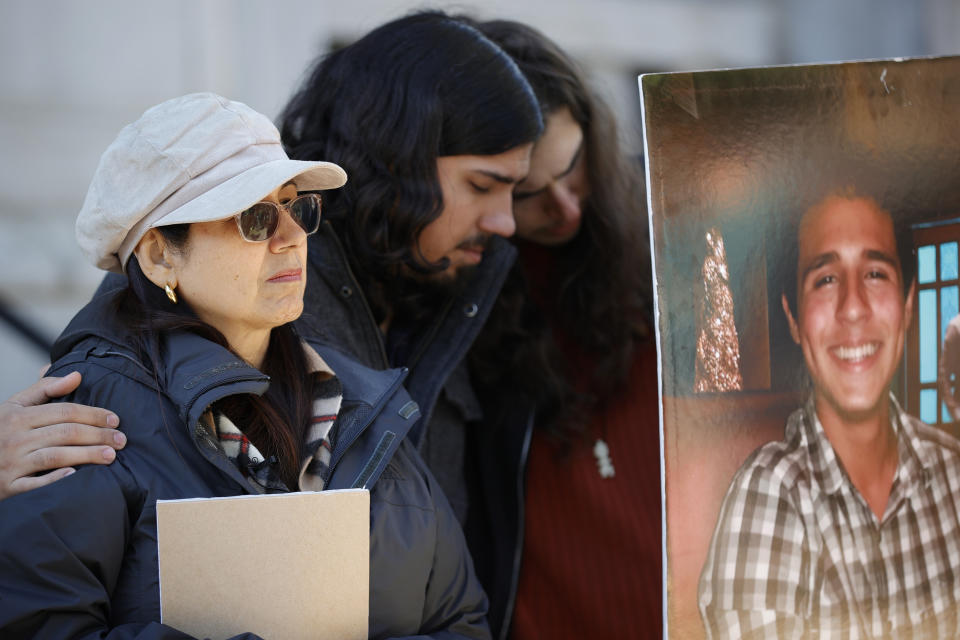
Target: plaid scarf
{"x":315,"y":464}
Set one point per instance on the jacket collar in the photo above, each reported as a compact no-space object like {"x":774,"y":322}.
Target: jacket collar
{"x":361,"y":386}
{"x":198,"y":372}
{"x":195,"y":372}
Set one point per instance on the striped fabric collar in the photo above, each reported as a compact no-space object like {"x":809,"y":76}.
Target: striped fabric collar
{"x":315,"y":464}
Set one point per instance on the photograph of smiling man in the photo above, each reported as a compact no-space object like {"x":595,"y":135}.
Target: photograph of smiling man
{"x":849,"y":525}
{"x":805,"y":223}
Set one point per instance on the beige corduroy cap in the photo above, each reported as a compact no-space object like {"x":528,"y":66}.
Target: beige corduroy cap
{"x":197,"y":158}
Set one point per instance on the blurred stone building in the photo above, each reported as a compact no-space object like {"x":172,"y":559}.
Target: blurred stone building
{"x":73,"y":73}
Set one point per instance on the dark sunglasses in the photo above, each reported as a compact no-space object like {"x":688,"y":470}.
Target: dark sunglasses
{"x":260,"y":222}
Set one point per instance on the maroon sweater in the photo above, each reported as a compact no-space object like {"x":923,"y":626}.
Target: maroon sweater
{"x":592,"y":545}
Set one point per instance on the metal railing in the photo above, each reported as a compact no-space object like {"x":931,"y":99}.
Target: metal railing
{"x":23,"y":328}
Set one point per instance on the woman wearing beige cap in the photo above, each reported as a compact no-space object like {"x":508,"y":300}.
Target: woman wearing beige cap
{"x":201,"y":208}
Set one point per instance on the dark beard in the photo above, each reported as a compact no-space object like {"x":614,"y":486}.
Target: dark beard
{"x":417,"y":298}
{"x":402,"y":293}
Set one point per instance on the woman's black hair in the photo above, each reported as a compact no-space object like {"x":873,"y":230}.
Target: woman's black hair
{"x":275,"y":422}
{"x":604,"y":293}
{"x":385,"y":108}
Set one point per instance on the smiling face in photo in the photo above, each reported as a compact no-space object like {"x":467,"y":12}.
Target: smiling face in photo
{"x":852,"y":316}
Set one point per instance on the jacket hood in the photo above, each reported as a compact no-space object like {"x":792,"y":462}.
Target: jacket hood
{"x":97,"y":319}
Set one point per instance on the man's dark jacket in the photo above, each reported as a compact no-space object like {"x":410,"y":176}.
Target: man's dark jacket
{"x":85,"y":559}
{"x":479,"y":468}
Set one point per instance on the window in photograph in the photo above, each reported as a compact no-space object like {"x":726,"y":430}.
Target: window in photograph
{"x":932,"y":369}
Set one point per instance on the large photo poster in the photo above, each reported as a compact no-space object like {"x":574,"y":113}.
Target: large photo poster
{"x":805,"y":225}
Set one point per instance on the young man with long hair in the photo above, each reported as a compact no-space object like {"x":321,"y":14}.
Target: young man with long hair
{"x":412,"y":254}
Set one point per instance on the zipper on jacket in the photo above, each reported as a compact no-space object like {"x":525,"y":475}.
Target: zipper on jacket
{"x":96,"y":352}
{"x":521,"y":525}
{"x":216,"y":457}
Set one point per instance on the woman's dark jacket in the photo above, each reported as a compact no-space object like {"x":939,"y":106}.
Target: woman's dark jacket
{"x":78,"y":558}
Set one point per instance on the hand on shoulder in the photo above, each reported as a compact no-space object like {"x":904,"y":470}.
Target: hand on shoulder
{"x":41,"y":442}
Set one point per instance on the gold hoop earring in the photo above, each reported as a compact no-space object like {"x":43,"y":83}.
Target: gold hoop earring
{"x":170,"y":294}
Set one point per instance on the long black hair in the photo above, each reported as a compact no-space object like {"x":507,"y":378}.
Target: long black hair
{"x":385,"y":108}
{"x":275,"y":422}
{"x":604,"y":294}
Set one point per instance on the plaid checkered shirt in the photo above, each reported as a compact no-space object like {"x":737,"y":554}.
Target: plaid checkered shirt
{"x":798,"y":553}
